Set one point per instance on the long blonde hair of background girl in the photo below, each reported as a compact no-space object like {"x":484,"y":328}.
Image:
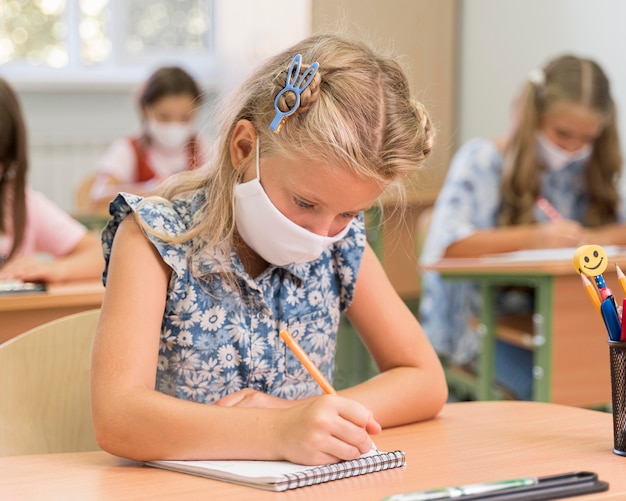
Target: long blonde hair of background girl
{"x":565,"y":79}
{"x":362,"y":118}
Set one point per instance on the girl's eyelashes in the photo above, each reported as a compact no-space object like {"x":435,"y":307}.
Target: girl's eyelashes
{"x":306,"y":205}
{"x":566,"y":135}
{"x":301,"y":203}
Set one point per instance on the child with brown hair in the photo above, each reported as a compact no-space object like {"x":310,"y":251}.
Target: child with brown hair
{"x":30,"y":223}
{"x":168,"y":142}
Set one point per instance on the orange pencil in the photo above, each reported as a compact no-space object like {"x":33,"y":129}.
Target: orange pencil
{"x":591,"y":292}
{"x":308,"y":364}
{"x":297,"y":350}
{"x":621,"y":278}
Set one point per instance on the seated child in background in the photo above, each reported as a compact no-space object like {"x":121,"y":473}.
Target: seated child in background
{"x":269,"y":235}
{"x":30,"y":224}
{"x":168,"y":142}
{"x":563,"y":147}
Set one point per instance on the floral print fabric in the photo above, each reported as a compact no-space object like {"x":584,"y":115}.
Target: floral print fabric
{"x":220,"y":336}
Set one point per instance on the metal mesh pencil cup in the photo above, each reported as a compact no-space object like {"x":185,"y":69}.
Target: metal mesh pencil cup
{"x":617,"y":352}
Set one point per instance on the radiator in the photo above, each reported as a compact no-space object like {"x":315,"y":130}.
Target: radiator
{"x":57,"y":167}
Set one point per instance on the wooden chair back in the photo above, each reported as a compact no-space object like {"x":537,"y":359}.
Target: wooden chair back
{"x":44,"y":388}
{"x":83,"y":204}
{"x":421,"y":229}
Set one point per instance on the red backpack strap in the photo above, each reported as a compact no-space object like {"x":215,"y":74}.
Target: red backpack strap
{"x":143,"y":170}
{"x":193,"y":154}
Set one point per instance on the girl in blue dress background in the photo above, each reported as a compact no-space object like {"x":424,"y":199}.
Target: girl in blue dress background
{"x":563,"y":146}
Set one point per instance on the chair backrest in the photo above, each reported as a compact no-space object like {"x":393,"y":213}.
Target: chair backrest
{"x":421,"y":229}
{"x":83,"y":204}
{"x":44,"y":388}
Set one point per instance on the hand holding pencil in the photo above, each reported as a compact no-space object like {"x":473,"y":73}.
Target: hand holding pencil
{"x":320,"y":379}
{"x":548,"y":209}
{"x":559,"y":231}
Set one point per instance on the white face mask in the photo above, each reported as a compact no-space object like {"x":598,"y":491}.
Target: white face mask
{"x":270,"y":233}
{"x":556,"y":158}
{"x":170,"y":135}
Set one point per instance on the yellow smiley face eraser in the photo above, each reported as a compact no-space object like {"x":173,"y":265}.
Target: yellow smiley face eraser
{"x":590,"y":260}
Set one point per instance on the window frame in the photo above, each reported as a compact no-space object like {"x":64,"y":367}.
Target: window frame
{"x":121,"y":69}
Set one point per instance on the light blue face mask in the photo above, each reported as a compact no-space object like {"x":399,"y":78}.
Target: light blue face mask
{"x":271,"y":234}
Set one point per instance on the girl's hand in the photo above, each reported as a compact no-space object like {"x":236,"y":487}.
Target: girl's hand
{"x":29,"y":269}
{"x":324,"y":430}
{"x":562,"y":233}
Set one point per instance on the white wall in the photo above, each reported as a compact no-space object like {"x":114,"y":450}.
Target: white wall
{"x":252,"y":30}
{"x":502,"y":40}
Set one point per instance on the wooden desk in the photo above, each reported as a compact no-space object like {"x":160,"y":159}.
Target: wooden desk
{"x":20,"y":312}
{"x":470,"y":442}
{"x":571,"y":355}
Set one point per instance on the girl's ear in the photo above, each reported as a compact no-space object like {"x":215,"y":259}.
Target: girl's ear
{"x":242,"y":142}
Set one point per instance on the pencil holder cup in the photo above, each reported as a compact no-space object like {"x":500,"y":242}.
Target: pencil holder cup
{"x":617,"y":351}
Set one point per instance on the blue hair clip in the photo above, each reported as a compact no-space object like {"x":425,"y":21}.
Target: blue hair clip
{"x":295,"y":85}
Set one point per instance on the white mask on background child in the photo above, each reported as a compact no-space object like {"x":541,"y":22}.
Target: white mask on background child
{"x":556,"y":158}
{"x":170,"y":135}
{"x":270,"y":233}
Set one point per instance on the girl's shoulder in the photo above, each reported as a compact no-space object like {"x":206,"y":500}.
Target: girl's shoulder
{"x":163,"y":221}
{"x":481,"y":148}
{"x":39,"y":206}
{"x":477,"y":157}
{"x":170,"y":218}
{"x":48,"y":227}
{"x":35,"y":198}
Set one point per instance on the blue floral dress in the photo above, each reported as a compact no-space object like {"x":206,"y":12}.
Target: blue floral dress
{"x":218,"y":337}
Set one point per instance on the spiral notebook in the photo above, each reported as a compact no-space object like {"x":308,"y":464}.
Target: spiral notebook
{"x":283,"y":475}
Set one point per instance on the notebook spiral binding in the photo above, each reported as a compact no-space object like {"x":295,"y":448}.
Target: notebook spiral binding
{"x":361,"y":466}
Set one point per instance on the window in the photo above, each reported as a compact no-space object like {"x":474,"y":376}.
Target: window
{"x":103,"y":37}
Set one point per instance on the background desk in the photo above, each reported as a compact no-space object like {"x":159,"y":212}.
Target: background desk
{"x":571,"y":355}
{"x":20,"y":312}
{"x":469,"y":442}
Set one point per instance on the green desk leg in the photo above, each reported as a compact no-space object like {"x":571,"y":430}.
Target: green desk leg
{"x":487,"y":330}
{"x":542,"y":339}
{"x":542,"y":335}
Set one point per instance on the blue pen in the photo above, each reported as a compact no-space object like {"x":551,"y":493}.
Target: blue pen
{"x":608,"y":310}
{"x":611,"y":318}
